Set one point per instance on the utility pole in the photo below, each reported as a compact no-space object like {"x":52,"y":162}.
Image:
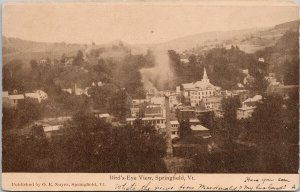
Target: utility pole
{"x":168,"y":128}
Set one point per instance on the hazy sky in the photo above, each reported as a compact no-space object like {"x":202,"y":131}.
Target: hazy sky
{"x":134,"y":22}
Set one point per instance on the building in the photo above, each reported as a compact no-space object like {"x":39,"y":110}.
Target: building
{"x":68,"y":90}
{"x":174,"y":129}
{"x":134,"y":111}
{"x":15,"y":99}
{"x":248,"y":107}
{"x":157,"y":122}
{"x":245,"y":112}
{"x":200,"y":131}
{"x":252,"y":101}
{"x":184,"y":60}
{"x":50,"y":130}
{"x":184,"y":113}
{"x":154,"y":111}
{"x":52,"y":126}
{"x":136,"y":105}
{"x":213,"y":103}
{"x":44,"y":62}
{"x":195,"y":92}
{"x":194,"y":121}
{"x":39,"y":95}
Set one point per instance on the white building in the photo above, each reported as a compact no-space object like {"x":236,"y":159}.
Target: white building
{"x":174,"y":129}
{"x":159,"y":123}
{"x":39,"y":95}
{"x":248,"y":107}
{"x":195,"y":92}
{"x":14,"y":99}
{"x":244,"y":112}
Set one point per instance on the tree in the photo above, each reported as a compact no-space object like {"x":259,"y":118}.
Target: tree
{"x":272,"y":128}
{"x":119,"y":104}
{"x":79,"y":59}
{"x":230,"y":105}
{"x":230,"y":130}
{"x":185,"y":129}
{"x":23,"y":109}
{"x":26,"y":153}
{"x":102,"y":95}
{"x":91,"y":145}
{"x":13,"y":75}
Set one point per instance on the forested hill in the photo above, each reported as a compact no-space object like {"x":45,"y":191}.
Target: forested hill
{"x":248,"y":40}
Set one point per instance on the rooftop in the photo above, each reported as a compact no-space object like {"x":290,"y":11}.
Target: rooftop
{"x":246,"y":108}
{"x":174,"y":122}
{"x":14,"y":97}
{"x":146,"y":118}
{"x":199,"y":128}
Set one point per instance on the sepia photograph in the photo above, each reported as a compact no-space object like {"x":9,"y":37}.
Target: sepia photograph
{"x":148,"y":87}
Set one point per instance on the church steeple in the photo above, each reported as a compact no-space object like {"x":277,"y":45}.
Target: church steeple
{"x":205,"y":77}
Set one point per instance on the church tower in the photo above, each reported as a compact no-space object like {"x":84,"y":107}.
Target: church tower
{"x":205,"y":77}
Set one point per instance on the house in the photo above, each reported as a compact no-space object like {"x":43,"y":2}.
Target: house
{"x":154,"y":111}
{"x":134,"y":111}
{"x":157,"y":122}
{"x":99,"y":114}
{"x":157,"y":100}
{"x":174,"y":129}
{"x":173,"y":97}
{"x":245,"y":112}
{"x":200,"y":131}
{"x":185,"y":113}
{"x":136,"y":102}
{"x":252,"y":101}
{"x":39,"y":95}
{"x":52,"y":126}
{"x":68,"y":90}
{"x":194,"y":121}
{"x":51,"y":129}
{"x":248,"y":107}
{"x":184,"y":60}
{"x":15,"y":99}
{"x":78,"y":91}
{"x":195,"y":92}
{"x":44,"y":62}
{"x":213,"y":103}
{"x":105,"y":116}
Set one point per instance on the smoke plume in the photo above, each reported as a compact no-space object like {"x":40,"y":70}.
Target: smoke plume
{"x":160,"y":77}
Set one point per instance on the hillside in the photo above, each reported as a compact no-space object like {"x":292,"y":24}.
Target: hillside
{"x":249,"y":40}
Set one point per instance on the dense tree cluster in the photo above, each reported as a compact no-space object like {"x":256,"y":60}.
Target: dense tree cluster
{"x":265,"y":143}
{"x":87,"y":144}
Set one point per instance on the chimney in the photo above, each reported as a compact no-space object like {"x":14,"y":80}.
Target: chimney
{"x":168,"y":129}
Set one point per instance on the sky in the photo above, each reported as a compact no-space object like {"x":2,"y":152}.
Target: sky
{"x":137,"y":22}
